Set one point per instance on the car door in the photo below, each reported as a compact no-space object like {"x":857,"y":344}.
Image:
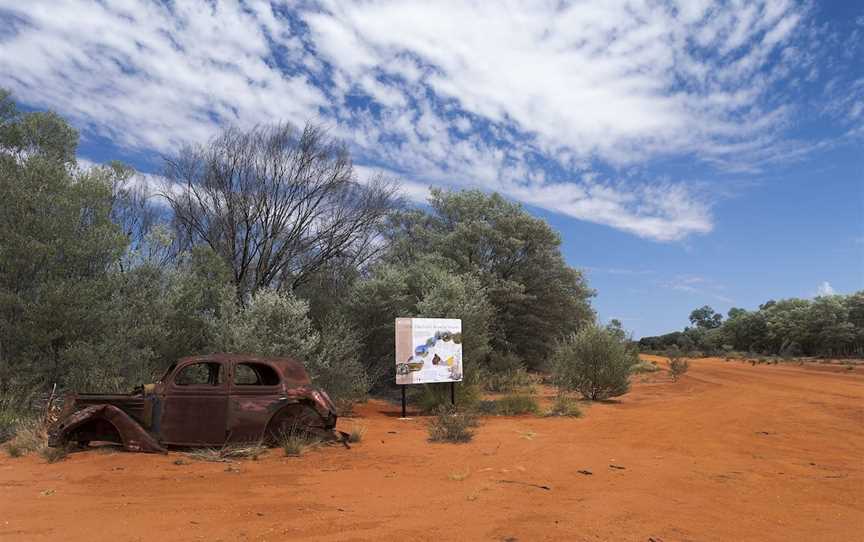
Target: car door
{"x":254,"y":391}
{"x":195,"y":411}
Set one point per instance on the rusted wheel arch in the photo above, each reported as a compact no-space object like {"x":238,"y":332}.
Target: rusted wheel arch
{"x":296,"y":418}
{"x":133,"y":437}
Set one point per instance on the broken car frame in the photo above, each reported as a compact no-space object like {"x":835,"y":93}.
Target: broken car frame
{"x":207,"y":400}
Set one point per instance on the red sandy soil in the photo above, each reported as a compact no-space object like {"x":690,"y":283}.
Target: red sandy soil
{"x":730,"y":452}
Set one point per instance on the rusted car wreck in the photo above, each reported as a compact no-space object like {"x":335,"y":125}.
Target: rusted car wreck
{"x":201,"y":401}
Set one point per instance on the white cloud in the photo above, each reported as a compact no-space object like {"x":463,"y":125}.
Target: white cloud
{"x":825,"y":288}
{"x":698,"y":286}
{"x":519,"y":97}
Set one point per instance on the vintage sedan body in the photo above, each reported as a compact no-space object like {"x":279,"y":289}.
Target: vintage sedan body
{"x":201,"y":401}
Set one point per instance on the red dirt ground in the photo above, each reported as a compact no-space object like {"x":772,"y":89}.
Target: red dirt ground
{"x":730,"y":452}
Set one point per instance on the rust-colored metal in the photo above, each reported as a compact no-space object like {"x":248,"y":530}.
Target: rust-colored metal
{"x":201,"y":401}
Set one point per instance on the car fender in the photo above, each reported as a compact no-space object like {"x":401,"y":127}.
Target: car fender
{"x":134,"y":437}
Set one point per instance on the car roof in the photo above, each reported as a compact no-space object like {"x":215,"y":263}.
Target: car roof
{"x":293,"y":371}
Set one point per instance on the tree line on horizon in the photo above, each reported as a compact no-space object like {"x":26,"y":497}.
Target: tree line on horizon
{"x":827,"y":326}
{"x":260,"y":240}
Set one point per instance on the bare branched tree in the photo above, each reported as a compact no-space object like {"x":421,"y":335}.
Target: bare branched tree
{"x":277,"y":203}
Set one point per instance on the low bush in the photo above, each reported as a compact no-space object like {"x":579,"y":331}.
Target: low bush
{"x":515,"y":404}
{"x":677,"y":365}
{"x":593,"y":362}
{"x":643,"y":366}
{"x":564,"y":405}
{"x":451,"y":425}
{"x":433,"y":397}
{"x":504,"y":373}
{"x":30,"y":436}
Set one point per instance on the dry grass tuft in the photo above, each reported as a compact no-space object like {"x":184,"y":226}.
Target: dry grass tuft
{"x":228,"y":452}
{"x":357,"y":433}
{"x":564,"y":405}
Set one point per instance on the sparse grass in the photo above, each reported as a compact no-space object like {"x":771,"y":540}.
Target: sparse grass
{"x":564,"y":405}
{"x":451,"y":425}
{"x":644,"y":367}
{"x":515,"y":404}
{"x":229,"y":452}
{"x":487,"y":407}
{"x":357,"y":433}
{"x":30,"y":436}
{"x":296,"y":443}
{"x":14,"y":449}
{"x":53,"y":455}
{"x":459,"y":476}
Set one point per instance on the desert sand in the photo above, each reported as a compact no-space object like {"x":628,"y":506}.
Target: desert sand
{"x":730,"y":452}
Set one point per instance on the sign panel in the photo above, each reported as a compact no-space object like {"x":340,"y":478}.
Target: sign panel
{"x":428,"y":350}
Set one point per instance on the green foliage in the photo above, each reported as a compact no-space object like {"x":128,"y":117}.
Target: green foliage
{"x":677,"y":364}
{"x":564,"y":405}
{"x":30,"y":436}
{"x":504,"y":373}
{"x":451,"y":425}
{"x":593,"y":362}
{"x":705,"y":318}
{"x":643,"y":366}
{"x":422,"y":288}
{"x":517,"y":403}
{"x":536,"y":298}
{"x":827,"y":326}
{"x":432,"y":397}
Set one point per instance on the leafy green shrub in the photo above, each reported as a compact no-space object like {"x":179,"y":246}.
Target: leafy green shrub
{"x":451,"y":425}
{"x":564,"y":405}
{"x":336,"y":368}
{"x":594,"y":363}
{"x":515,"y":404}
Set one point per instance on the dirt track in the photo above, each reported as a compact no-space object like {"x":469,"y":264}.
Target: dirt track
{"x":731,"y":452}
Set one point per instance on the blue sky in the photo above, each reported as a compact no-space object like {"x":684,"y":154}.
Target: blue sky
{"x":689,"y":153}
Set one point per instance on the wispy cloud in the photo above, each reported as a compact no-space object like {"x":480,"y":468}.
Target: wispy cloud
{"x":697,"y":286}
{"x":549,"y":103}
{"x":825,"y":288}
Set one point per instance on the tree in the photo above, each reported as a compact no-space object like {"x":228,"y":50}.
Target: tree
{"x":705,"y":318}
{"x":593,"y":362}
{"x":424,"y":288}
{"x":57,"y":243}
{"x":537,"y":297}
{"x":276,"y":203}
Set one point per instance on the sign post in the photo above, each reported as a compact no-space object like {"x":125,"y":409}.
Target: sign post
{"x":428,"y":351}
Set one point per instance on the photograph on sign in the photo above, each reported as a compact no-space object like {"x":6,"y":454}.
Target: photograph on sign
{"x":428,"y":350}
